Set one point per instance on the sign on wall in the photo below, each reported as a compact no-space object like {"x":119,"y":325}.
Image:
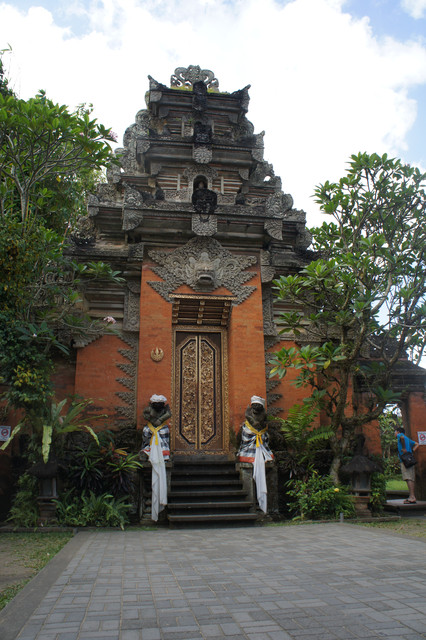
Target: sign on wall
{"x":422,"y":437}
{"x":5,"y":433}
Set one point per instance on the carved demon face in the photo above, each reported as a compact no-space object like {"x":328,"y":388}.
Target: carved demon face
{"x":203,"y":272}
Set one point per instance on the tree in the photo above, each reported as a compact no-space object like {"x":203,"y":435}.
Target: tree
{"x":50,"y":157}
{"x":361,"y":305}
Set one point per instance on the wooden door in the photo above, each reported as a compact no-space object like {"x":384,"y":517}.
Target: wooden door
{"x":198,"y":392}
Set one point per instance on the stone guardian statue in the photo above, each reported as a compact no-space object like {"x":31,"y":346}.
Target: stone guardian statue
{"x":156,"y":445}
{"x":254,"y":446}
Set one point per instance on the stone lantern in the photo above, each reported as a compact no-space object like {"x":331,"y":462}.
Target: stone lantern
{"x":360,"y":469}
{"x":46,"y":473}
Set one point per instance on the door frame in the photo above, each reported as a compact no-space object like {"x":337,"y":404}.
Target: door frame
{"x":202,"y":329}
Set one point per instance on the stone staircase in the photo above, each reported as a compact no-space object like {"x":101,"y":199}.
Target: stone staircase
{"x":208,"y":491}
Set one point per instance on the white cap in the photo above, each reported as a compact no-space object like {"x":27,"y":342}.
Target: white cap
{"x":258,"y":400}
{"x":156,"y":398}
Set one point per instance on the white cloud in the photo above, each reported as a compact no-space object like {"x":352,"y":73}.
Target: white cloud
{"x":415,"y":8}
{"x":323,"y":86}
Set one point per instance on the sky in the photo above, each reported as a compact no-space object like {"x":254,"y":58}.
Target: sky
{"x":328,"y":78}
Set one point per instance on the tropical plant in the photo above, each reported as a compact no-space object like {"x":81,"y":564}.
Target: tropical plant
{"x":89,"y":509}
{"x":102,"y":466}
{"x":388,"y":421}
{"x":50,"y":158}
{"x":318,"y":497}
{"x":24,"y":510}
{"x":54,"y":425}
{"x":302,"y":438}
{"x":377,"y":493}
{"x":361,"y":305}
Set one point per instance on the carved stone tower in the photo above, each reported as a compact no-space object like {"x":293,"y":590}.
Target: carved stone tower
{"x":199,"y":226}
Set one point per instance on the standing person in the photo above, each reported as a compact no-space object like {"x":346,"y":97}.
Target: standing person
{"x":406,"y":445}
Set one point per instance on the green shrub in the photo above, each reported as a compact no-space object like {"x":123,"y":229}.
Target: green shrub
{"x":91,"y":510}
{"x":103,"y":467}
{"x":377,"y":493}
{"x":24,"y":510}
{"x":318,"y":498}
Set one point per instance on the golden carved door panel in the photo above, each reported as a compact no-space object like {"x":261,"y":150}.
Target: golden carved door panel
{"x":198,"y":392}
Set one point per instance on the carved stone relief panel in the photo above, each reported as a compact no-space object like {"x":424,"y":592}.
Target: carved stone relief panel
{"x":203,"y":155}
{"x":200,"y":169}
{"x":131,"y":307}
{"x":267,"y":270}
{"x":269,"y":328}
{"x":277,"y":204}
{"x":129,"y":381}
{"x":204,"y":265}
{"x":274,"y":228}
{"x":189,"y":76}
{"x":203,"y":227}
{"x":271,"y":383}
{"x":132,"y":208}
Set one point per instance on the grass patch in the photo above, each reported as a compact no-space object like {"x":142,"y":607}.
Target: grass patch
{"x":405,"y":526}
{"x":396,"y":484}
{"x":23,"y":555}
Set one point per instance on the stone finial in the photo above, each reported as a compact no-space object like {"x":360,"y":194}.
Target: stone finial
{"x":189,"y":76}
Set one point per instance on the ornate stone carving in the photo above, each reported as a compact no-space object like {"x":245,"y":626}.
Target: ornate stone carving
{"x":271,"y":383}
{"x":131,"y":307}
{"x":113,"y":171}
{"x":203,"y":155}
{"x":154,"y":85}
{"x":157,"y":354}
{"x":136,"y":251}
{"x":263,"y":170}
{"x":193,"y":171}
{"x":84,"y":233}
{"x":277,"y":204}
{"x":92,"y":205}
{"x":187,"y":77}
{"x":267,"y":270}
{"x":133,"y":203}
{"x":204,"y":201}
{"x":181,"y":195}
{"x":129,"y":368}
{"x":186,"y":264}
{"x":243,"y":97}
{"x":131,"y":220}
{"x":225,"y":199}
{"x":204,"y":227}
{"x":202,"y":134}
{"x":274,"y":228}
{"x":269,"y":328}
{"x":304,"y":237}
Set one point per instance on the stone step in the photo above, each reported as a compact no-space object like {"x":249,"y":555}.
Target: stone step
{"x":208,"y":494}
{"x":184,"y":472}
{"x":212,"y":517}
{"x":226,"y":505}
{"x":198,"y":483}
{"x":207,"y":490}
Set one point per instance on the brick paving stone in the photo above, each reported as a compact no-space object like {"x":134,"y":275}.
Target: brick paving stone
{"x":118,"y":585}
{"x":151,"y":634}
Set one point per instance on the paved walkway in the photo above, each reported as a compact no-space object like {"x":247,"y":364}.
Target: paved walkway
{"x":312,"y":582}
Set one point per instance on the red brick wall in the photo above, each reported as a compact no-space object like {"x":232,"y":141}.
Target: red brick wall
{"x":96,"y":378}
{"x":417,"y":422}
{"x":155,"y":331}
{"x":245,"y":347}
{"x":246,"y":353}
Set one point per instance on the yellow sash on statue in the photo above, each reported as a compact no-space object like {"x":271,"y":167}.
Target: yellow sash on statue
{"x":258,"y":434}
{"x":155,"y":431}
